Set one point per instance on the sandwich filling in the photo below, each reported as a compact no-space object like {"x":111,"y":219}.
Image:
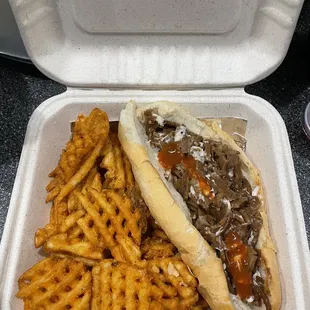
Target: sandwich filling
{"x":224,"y":207}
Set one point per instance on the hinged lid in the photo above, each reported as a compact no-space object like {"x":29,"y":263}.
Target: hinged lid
{"x":160,"y":43}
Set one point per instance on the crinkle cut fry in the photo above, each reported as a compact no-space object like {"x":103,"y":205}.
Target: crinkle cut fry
{"x":55,"y":283}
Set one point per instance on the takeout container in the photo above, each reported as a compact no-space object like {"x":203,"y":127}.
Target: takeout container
{"x":197,"y":53}
{"x":306,"y":121}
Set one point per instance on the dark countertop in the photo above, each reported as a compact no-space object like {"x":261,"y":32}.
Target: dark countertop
{"x":23,"y":88}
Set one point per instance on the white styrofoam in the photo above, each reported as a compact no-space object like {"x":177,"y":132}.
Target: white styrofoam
{"x":268,"y":146}
{"x":156,"y":43}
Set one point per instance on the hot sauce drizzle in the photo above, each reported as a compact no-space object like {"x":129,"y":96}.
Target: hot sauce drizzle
{"x":238,"y":265}
{"x":171,"y":155}
{"x":237,"y":252}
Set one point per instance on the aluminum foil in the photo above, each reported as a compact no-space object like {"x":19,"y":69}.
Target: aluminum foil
{"x":233,"y":126}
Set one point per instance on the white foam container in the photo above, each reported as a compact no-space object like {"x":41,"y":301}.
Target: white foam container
{"x":201,"y":44}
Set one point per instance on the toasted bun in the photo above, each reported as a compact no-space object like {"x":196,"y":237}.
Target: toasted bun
{"x":170,"y":211}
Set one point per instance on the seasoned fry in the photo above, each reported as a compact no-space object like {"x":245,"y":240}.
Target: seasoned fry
{"x":71,"y":220}
{"x":88,"y":133}
{"x":157,"y":246}
{"x":58,"y":215}
{"x":106,"y":251}
{"x":64,"y":215}
{"x":93,"y":180}
{"x":86,"y":261}
{"x":94,"y":225}
{"x":120,"y":286}
{"x":76,"y":246}
{"x":113,"y":215}
{"x":56,"y":283}
{"x":123,"y":286}
{"x":126,"y":251}
{"x":125,"y":218}
{"x":81,"y":173}
{"x":106,"y":220}
{"x":178,"y":285}
{"x":42,"y":234}
{"x":91,"y":231}
{"x":119,"y":174}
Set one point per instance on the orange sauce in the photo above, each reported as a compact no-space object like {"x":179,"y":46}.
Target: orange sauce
{"x":238,"y":266}
{"x":171,"y":155}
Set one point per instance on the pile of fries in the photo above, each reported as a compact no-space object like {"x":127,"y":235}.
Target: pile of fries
{"x":104,"y":249}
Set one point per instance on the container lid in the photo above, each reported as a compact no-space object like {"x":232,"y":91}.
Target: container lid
{"x":164,"y":43}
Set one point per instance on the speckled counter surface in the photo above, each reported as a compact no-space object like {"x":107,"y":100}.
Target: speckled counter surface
{"x":23,"y":88}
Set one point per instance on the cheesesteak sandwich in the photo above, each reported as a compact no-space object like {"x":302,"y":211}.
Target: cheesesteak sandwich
{"x":208,"y":198}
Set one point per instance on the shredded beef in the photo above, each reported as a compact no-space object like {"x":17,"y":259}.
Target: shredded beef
{"x":260,"y":294}
{"x":231,"y":208}
{"x":138,"y":202}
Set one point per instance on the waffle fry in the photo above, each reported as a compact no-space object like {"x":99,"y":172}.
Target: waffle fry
{"x":119,"y":174}
{"x":42,"y":234}
{"x":76,"y":246}
{"x":89,"y":136}
{"x":71,"y":220}
{"x":93,"y":180}
{"x":99,"y":221}
{"x":157,"y":246}
{"x":86,"y":261}
{"x":94,"y":225}
{"x":113,"y":215}
{"x":106,"y":221}
{"x":178,"y":285}
{"x":64,"y":215}
{"x":120,"y":286}
{"x":56,"y":283}
{"x":58,"y":215}
{"x":123,"y":286}
{"x":127,"y":251}
{"x":81,"y":173}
